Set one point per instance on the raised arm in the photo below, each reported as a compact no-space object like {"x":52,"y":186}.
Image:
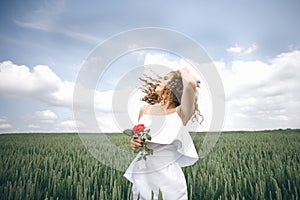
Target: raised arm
{"x":186,"y":109}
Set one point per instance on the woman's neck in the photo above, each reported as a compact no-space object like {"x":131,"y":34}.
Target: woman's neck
{"x":167,"y":106}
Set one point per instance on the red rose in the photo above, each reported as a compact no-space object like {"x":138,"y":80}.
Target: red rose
{"x":138,"y":128}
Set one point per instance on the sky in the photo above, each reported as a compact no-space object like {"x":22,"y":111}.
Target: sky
{"x":255,"y":46}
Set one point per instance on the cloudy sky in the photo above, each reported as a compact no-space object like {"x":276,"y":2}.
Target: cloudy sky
{"x":254,"y":44}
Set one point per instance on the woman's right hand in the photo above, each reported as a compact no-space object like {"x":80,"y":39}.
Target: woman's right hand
{"x":136,"y":143}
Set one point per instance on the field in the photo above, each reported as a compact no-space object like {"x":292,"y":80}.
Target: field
{"x":242,"y":165}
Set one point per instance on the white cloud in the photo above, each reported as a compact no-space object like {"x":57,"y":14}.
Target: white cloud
{"x":259,"y":95}
{"x":106,"y":123}
{"x":262,"y":95}
{"x":42,"y":120}
{"x":160,"y":59}
{"x":237,"y":49}
{"x":250,"y":49}
{"x":69,"y":125}
{"x":33,"y":126}
{"x":2,"y":119}
{"x":45,"y":116}
{"x":5,"y":126}
{"x":40,"y":83}
{"x":4,"y":123}
{"x":43,"y":84}
{"x":103,"y":101}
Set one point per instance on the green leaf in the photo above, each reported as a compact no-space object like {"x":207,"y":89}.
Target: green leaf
{"x":147,"y":131}
{"x":128,"y":132}
{"x":148,"y":136}
{"x":136,"y":150}
{"x":160,"y":197}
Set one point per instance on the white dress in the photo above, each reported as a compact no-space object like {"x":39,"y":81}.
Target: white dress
{"x":173,"y":148}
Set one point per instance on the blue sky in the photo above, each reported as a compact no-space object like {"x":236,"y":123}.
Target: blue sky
{"x":60,"y":34}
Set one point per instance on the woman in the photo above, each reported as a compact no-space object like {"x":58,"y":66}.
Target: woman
{"x":172,"y":103}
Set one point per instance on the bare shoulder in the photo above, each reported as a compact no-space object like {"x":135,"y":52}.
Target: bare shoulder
{"x":142,"y":111}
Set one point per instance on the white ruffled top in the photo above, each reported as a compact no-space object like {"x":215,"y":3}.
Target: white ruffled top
{"x":171,"y":142}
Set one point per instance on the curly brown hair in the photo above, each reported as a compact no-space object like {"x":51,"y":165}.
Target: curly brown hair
{"x":172,"y":92}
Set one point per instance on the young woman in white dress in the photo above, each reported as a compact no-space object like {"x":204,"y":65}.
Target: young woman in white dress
{"x":172,"y":103}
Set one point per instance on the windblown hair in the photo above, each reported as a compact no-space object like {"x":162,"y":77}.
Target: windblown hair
{"x":172,"y":92}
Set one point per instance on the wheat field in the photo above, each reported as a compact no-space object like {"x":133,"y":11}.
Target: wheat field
{"x":242,"y":165}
